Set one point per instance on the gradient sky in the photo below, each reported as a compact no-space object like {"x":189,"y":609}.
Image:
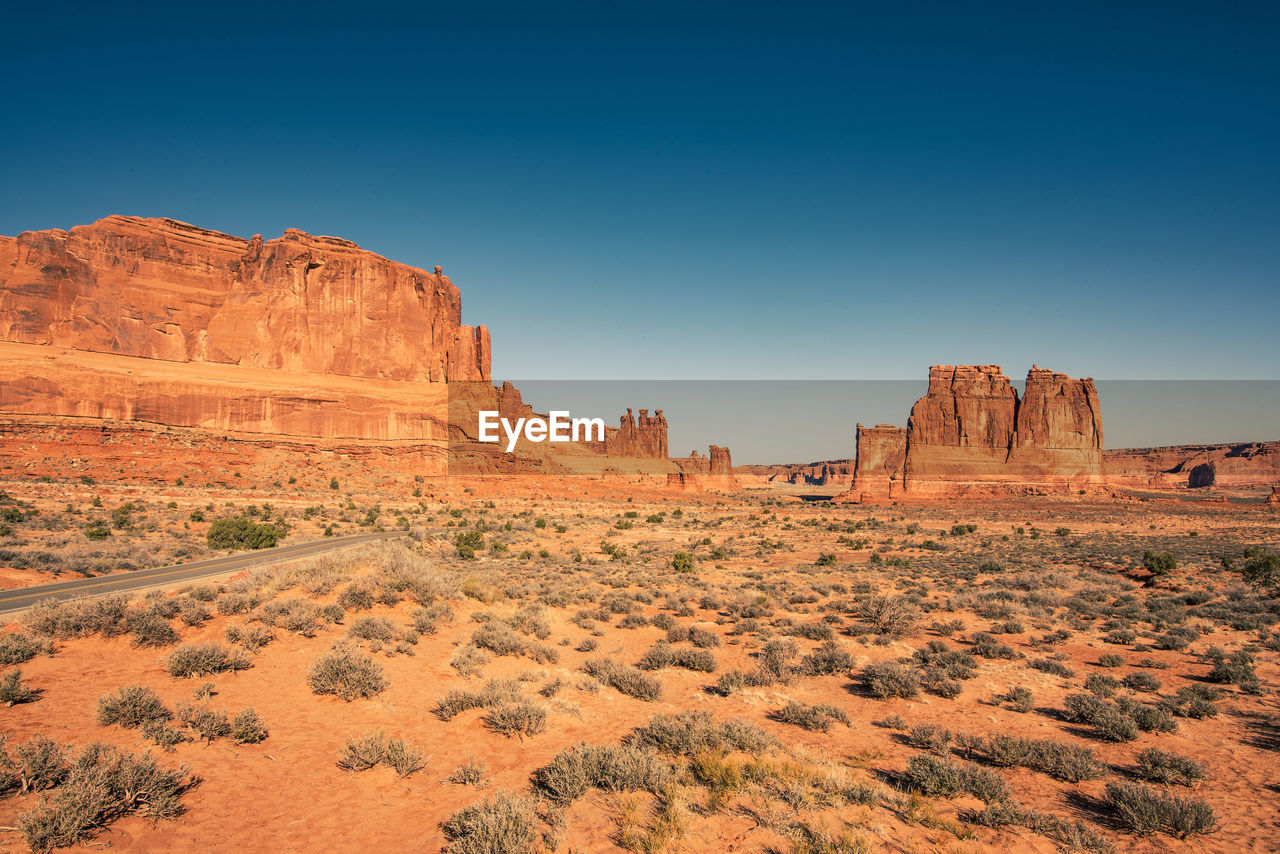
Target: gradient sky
{"x":745,"y":191}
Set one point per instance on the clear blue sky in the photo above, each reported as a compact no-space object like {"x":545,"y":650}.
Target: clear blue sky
{"x":751,"y":190}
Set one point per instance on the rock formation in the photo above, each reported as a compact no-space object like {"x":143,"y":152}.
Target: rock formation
{"x":1273,"y":500}
{"x":972,"y":429}
{"x":163,"y":289}
{"x":643,"y":437}
{"x":878,"y":469}
{"x":1239,"y":465}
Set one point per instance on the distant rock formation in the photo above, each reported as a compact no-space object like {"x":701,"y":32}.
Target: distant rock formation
{"x":1238,"y":465}
{"x":645,"y":437}
{"x":971,"y":429}
{"x":820,"y":473}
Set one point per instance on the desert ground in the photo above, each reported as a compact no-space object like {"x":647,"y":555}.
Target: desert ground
{"x":591,"y":666}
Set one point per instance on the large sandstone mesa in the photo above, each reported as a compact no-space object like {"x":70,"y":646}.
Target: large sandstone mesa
{"x":155,"y":320}
{"x":163,"y":289}
{"x":972,"y":430}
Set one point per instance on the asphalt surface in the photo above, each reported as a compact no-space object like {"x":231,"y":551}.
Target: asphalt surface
{"x":141,"y":579}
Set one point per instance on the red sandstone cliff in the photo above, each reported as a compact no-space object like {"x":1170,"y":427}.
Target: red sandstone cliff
{"x":163,"y":289}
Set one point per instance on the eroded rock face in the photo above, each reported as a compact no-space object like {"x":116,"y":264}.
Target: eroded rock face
{"x":1240,"y":465}
{"x":645,"y":436}
{"x":162,"y":289}
{"x":971,"y":429}
{"x":882,"y":456}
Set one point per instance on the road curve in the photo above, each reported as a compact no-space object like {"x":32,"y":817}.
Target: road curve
{"x":141,"y":579}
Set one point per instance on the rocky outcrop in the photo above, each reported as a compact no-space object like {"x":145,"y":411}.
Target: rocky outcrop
{"x":721,"y":463}
{"x":972,"y":429}
{"x":820,"y":473}
{"x":1242,"y":465}
{"x":644,"y":437}
{"x":162,"y":289}
{"x":881,"y":458}
{"x":1273,"y":500}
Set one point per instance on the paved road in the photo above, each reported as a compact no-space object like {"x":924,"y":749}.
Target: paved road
{"x":121,"y":582}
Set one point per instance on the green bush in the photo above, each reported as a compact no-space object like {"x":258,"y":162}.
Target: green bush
{"x":682,"y":562}
{"x":242,"y":533}
{"x":1159,"y":563}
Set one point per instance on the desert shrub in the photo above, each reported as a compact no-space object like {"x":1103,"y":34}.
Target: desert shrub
{"x":1159,"y":563}
{"x":428,"y":619}
{"x":613,"y":768}
{"x":826,"y":660}
{"x":892,"y":616}
{"x":1110,"y":659}
{"x":372,"y":629}
{"x":1235,"y":670}
{"x":1262,"y":570}
{"x":300,"y":616}
{"x":13,"y":691}
{"x":248,"y":727}
{"x":231,"y":604}
{"x":151,"y":629}
{"x":469,"y":660}
{"x":403,"y":758}
{"x":209,"y":724}
{"x":1196,"y":702}
{"x":469,"y":773}
{"x":499,"y":639}
{"x":817,"y":717}
{"x":131,"y":707}
{"x":1019,"y":699}
{"x":986,"y":645}
{"x":1148,"y":718}
{"x":1141,"y":682}
{"x":929,"y":737}
{"x":686,"y":733}
{"x":38,"y":764}
{"x":347,"y":674}
{"x":495,"y":692}
{"x":953,"y":663}
{"x":77,"y":618}
{"x":1102,"y":685}
{"x":935,"y":776}
{"x":703,"y":638}
{"x":633,"y":621}
{"x":252,"y":638}
{"x":663,"y":654}
{"x":1144,"y":811}
{"x":505,"y":822}
{"x":242,"y":533}
{"x":19,"y":648}
{"x":682,"y":562}
{"x":1157,"y":766}
{"x":1108,"y":720}
{"x":624,"y":678}
{"x":192,"y":611}
{"x":205,"y":659}
{"x":103,"y":784}
{"x":1053,"y":666}
{"x":518,"y":719}
{"x":887,"y":679}
{"x":363,"y":753}
{"x":1060,"y":761}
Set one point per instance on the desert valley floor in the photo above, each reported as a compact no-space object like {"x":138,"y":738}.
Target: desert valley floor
{"x":595,"y":667}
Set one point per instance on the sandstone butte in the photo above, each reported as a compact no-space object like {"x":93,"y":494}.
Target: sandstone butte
{"x":142,"y":323}
{"x":972,"y":432}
